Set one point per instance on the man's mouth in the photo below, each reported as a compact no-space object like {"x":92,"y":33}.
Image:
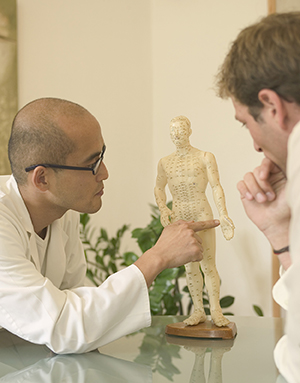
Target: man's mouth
{"x":100,"y":192}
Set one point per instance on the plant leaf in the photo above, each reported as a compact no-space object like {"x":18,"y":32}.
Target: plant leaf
{"x":84,"y":219}
{"x":129,"y":258}
{"x":226,"y":301}
{"x":258,"y":310}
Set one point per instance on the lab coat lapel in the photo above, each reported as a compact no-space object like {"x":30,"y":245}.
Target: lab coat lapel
{"x":56,"y":256}
{"x":34,"y":255}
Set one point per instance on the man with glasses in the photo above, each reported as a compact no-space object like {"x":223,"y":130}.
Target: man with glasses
{"x":56,"y":152}
{"x":93,"y":168}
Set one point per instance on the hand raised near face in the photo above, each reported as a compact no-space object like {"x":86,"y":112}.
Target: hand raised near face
{"x":263,"y":184}
{"x":263,"y":196}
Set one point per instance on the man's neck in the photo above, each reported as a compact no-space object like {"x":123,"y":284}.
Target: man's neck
{"x":40,"y":212}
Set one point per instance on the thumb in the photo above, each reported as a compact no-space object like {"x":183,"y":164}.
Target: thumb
{"x":202,"y":225}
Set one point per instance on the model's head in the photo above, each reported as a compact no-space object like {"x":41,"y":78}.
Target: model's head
{"x":265,"y":55}
{"x":180,"y":130}
{"x":38,"y":135}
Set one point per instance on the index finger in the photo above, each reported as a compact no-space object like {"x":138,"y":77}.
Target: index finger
{"x":202,"y":225}
{"x":266,"y":168}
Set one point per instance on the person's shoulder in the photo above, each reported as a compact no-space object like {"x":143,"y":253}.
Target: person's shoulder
{"x":6,"y":184}
{"x":11,"y":202}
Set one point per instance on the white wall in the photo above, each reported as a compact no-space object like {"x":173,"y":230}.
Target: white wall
{"x":190,"y":40}
{"x":135,"y":65}
{"x":97,"y":53}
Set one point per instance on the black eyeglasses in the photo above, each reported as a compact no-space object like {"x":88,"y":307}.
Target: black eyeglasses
{"x":93,"y":168}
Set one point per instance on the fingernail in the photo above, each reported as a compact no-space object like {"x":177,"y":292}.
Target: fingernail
{"x":260,"y":197}
{"x":249,"y":196}
{"x":262,"y":175}
{"x":270,"y":196}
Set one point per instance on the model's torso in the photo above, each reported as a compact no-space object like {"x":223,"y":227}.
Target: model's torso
{"x":187,"y":180}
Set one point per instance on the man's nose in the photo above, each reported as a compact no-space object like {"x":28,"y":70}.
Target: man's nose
{"x":256,"y":147}
{"x":102,"y":173}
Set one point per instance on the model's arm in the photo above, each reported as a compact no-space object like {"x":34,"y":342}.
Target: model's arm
{"x":226,"y":223}
{"x":263,"y":196}
{"x":160,"y":195}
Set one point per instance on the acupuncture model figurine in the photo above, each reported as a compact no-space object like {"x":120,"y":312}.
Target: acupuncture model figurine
{"x":187,"y":172}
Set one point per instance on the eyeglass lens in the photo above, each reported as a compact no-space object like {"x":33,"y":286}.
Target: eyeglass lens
{"x":98,"y":163}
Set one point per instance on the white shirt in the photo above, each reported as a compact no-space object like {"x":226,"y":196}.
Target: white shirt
{"x":287,"y":291}
{"x":53,"y":307}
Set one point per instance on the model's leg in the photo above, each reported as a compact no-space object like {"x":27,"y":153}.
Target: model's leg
{"x":215,"y":371}
{"x":198,"y":375}
{"x":195,"y":285}
{"x":212,"y":279}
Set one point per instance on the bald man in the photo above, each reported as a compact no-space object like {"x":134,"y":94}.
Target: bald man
{"x":56,"y":152}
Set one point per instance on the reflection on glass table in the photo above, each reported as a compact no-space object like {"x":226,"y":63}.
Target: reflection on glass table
{"x":151,"y":356}
{"x":24,"y":362}
{"x":247,"y":358}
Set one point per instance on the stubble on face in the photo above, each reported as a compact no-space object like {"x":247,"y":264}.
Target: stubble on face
{"x":77,"y":190}
{"x":267,"y":138}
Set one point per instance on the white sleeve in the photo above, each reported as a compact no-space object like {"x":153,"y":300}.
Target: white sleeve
{"x":287,"y":351}
{"x":72,"y":320}
{"x":78,"y":320}
{"x":280,"y":292}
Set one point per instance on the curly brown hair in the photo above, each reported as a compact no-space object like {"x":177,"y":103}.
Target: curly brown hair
{"x":265,"y":55}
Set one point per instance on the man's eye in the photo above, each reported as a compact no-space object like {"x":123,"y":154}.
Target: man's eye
{"x":93,"y":164}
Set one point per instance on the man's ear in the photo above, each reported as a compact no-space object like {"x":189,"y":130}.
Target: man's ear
{"x":274,"y":107}
{"x":40,"y":178}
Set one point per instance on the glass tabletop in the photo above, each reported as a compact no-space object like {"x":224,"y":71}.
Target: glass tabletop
{"x":151,"y":356}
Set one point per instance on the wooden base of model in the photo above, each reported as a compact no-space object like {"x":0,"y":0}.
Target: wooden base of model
{"x":205,"y":330}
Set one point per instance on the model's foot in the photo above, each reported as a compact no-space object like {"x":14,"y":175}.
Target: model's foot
{"x":196,"y":318}
{"x":217,"y":353}
{"x":199,"y":351}
{"x":219,"y":319}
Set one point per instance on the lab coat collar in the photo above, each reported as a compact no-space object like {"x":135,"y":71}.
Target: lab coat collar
{"x":15,"y":203}
{"x":56,"y":261}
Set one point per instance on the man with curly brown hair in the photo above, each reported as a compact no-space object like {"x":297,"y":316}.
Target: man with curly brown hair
{"x":261,"y":75}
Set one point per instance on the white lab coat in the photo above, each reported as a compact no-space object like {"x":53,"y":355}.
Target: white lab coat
{"x":287,"y":290}
{"x":55,"y":309}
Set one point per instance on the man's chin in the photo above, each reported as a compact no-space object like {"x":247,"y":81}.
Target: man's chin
{"x":91,"y":210}
{"x":281,"y":165}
